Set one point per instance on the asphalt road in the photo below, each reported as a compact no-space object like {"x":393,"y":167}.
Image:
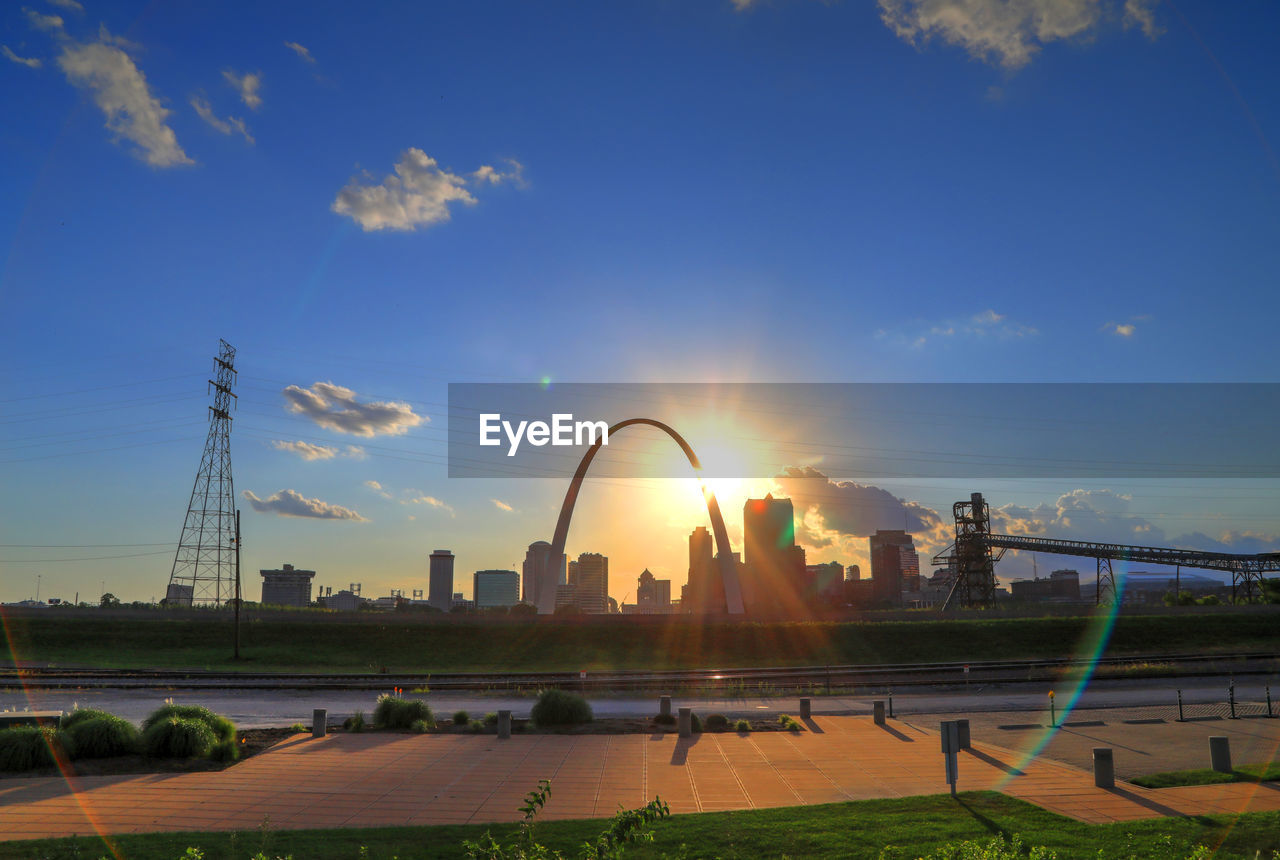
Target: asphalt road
{"x":256,"y":708}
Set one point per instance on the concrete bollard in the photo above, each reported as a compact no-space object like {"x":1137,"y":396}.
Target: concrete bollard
{"x":504,"y":724}
{"x":877,"y":712}
{"x":686,"y":722}
{"x":1220,"y":753}
{"x":319,"y":722}
{"x":962,"y":729}
{"x":1104,"y":768}
{"x":806,"y":710}
{"x":664,"y":706}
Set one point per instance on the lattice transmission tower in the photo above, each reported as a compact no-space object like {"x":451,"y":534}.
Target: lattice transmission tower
{"x":204,"y":566}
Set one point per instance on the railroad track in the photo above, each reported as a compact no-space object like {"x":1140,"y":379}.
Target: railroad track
{"x":729,"y":680}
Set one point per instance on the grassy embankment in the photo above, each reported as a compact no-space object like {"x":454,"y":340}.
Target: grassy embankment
{"x":1269,"y":772}
{"x":371,"y":644}
{"x":914,"y":826}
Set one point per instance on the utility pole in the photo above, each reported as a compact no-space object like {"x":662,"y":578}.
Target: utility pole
{"x":237,"y":654}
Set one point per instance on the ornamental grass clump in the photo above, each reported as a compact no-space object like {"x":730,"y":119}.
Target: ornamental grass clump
{"x":393,"y":712}
{"x":103,"y":736}
{"x":28,"y":747}
{"x":178,"y":737}
{"x":223,"y":729}
{"x":561,"y":708}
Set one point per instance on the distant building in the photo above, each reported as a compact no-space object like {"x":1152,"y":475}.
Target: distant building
{"x":494,"y":588}
{"x":653,"y":595}
{"x":541,"y":576}
{"x":287,"y":586}
{"x":179,"y":595}
{"x":566,"y":595}
{"x":344,"y":601}
{"x":589,"y":576}
{"x":895,"y":566}
{"x":460,"y":603}
{"x":774,"y":577}
{"x":1062,"y":586}
{"x":704,"y":591}
{"x":826,"y":582}
{"x":440,"y":581}
{"x":853,"y":572}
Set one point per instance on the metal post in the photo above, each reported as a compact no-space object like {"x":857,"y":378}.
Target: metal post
{"x":1268,"y":700}
{"x":1231,"y":696}
{"x":1220,"y":754}
{"x":1053,"y":713}
{"x":950,"y":749}
{"x":504,"y":724}
{"x":1104,"y":768}
{"x":237,"y":654}
{"x":1180,"y":717}
{"x":877,"y":712}
{"x":664,"y":706}
{"x":962,"y":732}
{"x":806,"y":711}
{"x":319,"y":722}
{"x":891,"y":706}
{"x":686,"y":722}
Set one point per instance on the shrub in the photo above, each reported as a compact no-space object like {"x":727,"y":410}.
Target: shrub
{"x":665,"y":719}
{"x":789,"y":723}
{"x":717,"y":722}
{"x":561,"y":708}
{"x":461,"y":718}
{"x":420,"y":727}
{"x":477,"y":727}
{"x":491,"y":719}
{"x":178,"y":737}
{"x":222,"y":728}
{"x":103,"y":736}
{"x":695,"y":724}
{"x":27,"y":747}
{"x":742,"y":726}
{"x":79,"y":715}
{"x":225,"y":751}
{"x":396,"y":713}
{"x":355,"y":722}
{"x":297,"y":727}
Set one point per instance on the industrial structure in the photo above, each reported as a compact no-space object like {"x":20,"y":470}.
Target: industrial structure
{"x":287,"y":586}
{"x":204,"y":566}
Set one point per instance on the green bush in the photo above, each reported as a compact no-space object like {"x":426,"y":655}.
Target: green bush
{"x":742,"y":726}
{"x":27,"y":747}
{"x":461,"y":718}
{"x":491,"y":719}
{"x":297,"y":727}
{"x":695,"y":724}
{"x":476,"y":727}
{"x":222,"y":728}
{"x":178,"y":737}
{"x":225,"y":751}
{"x":665,"y":719}
{"x":103,"y":737}
{"x":420,"y":727}
{"x":79,"y":715}
{"x":789,"y":723}
{"x":355,"y":722}
{"x":561,"y":708}
{"x":396,"y":713}
{"x":717,"y":722}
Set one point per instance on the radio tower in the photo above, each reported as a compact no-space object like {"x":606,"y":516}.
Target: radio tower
{"x":204,"y":567}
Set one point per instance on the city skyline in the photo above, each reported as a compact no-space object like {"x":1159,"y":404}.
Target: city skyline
{"x":640,"y":192}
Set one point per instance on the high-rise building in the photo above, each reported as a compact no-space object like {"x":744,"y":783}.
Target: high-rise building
{"x":590,"y":578}
{"x":287,"y":586}
{"x":705,"y":590}
{"x":440,"y":581}
{"x":491,"y":588}
{"x":826,"y":582}
{"x":895,"y":566}
{"x":773,"y":581}
{"x":541,"y":575}
{"x":651,"y":592}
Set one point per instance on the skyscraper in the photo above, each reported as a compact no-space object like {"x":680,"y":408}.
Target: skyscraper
{"x":541,"y":575}
{"x":592,"y":582}
{"x":287,"y":586}
{"x":895,"y":565}
{"x":651,"y":592}
{"x":440,"y":581}
{"x":773,"y":566}
{"x":705,"y":590}
{"x":492,"y":588}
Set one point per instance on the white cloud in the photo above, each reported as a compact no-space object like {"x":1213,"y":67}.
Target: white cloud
{"x":486,"y":174}
{"x":415,"y":498}
{"x":290,"y":503}
{"x":986,"y":324}
{"x":336,"y":408}
{"x":48,"y":23}
{"x":355,"y":452}
{"x":501,"y":505}
{"x":121,"y":92}
{"x":1141,"y":13}
{"x":377,"y":488}
{"x":29,"y":62}
{"x":301,"y":51}
{"x":226,"y":126}
{"x":743,"y":5}
{"x":247,"y":85}
{"x":306,"y":450}
{"x":418,"y":194}
{"x":67,"y":4}
{"x":1006,"y":32}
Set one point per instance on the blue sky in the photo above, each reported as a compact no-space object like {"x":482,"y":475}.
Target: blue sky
{"x":920,"y":190}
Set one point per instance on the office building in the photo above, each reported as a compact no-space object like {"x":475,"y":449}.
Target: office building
{"x":495,"y":588}
{"x":773,"y":580}
{"x":653,"y":593}
{"x":287,"y":586}
{"x":589,"y":576}
{"x":704,"y":590}
{"x":826,"y":582}
{"x":1062,"y":586}
{"x":440,"y":580}
{"x":895,"y":566}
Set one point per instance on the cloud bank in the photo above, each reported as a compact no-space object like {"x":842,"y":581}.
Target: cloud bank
{"x":290,"y":503}
{"x":336,"y":408}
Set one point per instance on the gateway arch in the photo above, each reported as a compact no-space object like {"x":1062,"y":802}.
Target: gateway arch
{"x":724,"y":553}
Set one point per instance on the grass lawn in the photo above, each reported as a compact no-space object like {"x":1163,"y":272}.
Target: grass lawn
{"x":368,"y":642}
{"x":902,"y":828}
{"x":1269,"y":772}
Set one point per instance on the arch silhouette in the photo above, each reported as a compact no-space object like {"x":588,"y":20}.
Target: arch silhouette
{"x":728,"y":570}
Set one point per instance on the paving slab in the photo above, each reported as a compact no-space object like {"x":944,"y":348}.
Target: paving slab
{"x":375,"y":779}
